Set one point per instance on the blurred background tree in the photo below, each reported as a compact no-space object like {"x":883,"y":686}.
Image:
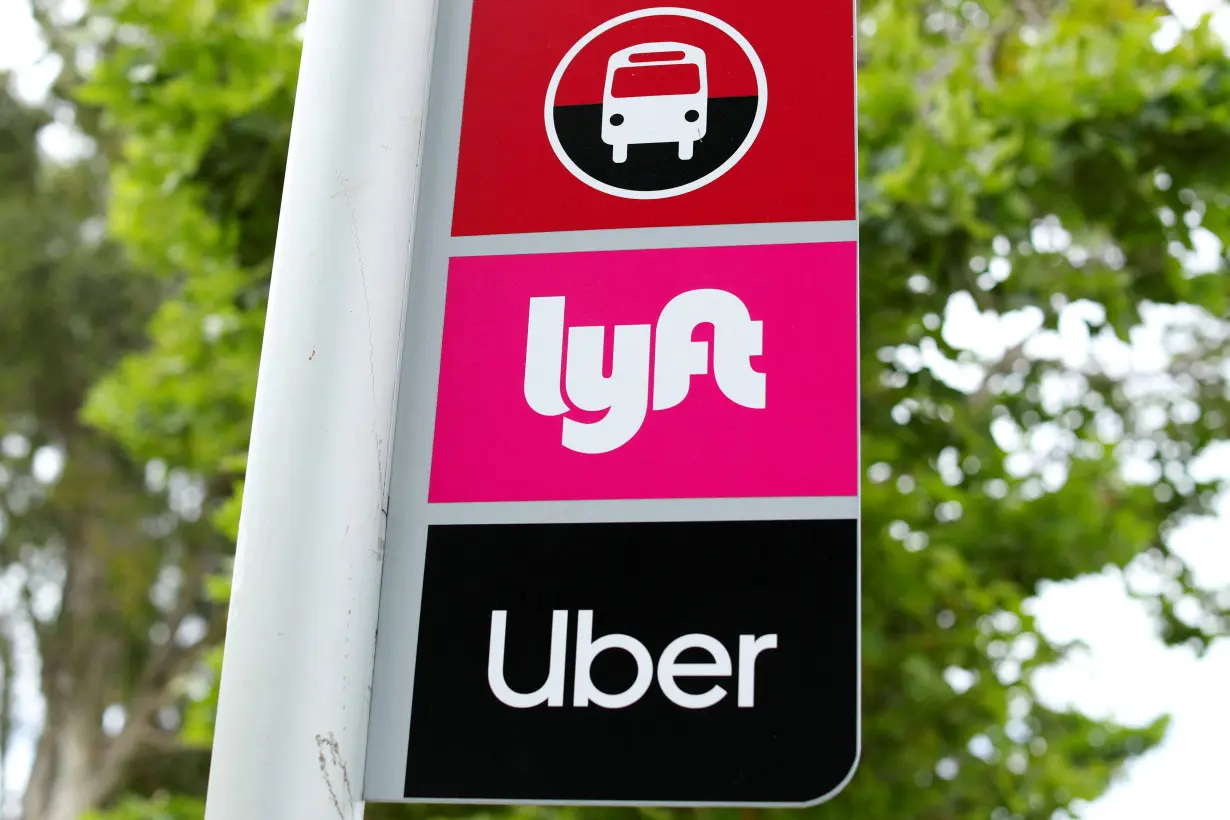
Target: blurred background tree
{"x":102,"y":556}
{"x":1031,"y":177}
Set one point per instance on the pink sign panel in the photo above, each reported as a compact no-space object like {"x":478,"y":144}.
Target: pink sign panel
{"x":682,"y":373}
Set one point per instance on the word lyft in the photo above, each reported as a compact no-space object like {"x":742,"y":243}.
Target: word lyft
{"x":625,"y":393}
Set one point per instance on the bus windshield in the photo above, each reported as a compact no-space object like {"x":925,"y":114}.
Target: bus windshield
{"x":656,"y":80}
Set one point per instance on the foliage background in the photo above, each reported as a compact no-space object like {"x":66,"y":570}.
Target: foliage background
{"x":1040,"y":164}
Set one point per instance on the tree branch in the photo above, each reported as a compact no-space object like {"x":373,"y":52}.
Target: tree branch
{"x":169,"y":662}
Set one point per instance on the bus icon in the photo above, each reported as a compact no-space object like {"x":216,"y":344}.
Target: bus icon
{"x":655,"y":93}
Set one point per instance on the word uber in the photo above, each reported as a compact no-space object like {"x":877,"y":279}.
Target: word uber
{"x":625,"y":393}
{"x":669,"y":667}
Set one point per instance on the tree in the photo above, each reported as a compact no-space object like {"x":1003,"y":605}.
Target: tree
{"x":1040,"y":164}
{"x":105,"y":556}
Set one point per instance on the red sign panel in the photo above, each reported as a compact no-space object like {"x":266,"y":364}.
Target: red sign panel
{"x":601,"y":114}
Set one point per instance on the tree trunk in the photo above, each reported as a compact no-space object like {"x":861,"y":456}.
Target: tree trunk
{"x":65,"y":782}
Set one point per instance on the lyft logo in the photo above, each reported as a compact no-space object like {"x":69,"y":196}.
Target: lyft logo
{"x":625,"y":393}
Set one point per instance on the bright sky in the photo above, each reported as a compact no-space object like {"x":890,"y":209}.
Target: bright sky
{"x":1127,"y":673}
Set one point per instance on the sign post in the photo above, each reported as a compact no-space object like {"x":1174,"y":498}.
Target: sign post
{"x":292,"y":710}
{"x":622,"y":564}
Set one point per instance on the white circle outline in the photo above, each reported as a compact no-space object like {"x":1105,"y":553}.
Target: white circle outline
{"x":762,"y":92}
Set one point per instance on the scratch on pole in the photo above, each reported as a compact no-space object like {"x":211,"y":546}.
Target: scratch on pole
{"x":367,"y":304}
{"x":329,"y":745}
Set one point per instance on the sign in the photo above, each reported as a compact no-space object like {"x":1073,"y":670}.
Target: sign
{"x":567,"y":686}
{"x":622,"y":558}
{"x":518,"y":419}
{"x":778,"y":143}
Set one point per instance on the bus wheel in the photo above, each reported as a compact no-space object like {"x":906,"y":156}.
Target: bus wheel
{"x":685,"y":149}
{"x":619,"y":153}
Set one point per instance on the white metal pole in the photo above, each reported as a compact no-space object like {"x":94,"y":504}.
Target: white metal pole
{"x":297,"y":667}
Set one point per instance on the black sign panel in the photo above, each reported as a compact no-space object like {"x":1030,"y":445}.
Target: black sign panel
{"x":651,"y":663}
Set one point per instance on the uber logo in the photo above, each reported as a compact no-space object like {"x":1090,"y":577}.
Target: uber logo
{"x":645,"y":663}
{"x":669,"y":666}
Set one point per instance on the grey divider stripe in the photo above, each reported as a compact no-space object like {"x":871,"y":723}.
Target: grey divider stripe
{"x":689,"y":509}
{"x":625,"y":239}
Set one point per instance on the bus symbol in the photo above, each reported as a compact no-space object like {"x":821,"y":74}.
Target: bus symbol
{"x":655,"y":93}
